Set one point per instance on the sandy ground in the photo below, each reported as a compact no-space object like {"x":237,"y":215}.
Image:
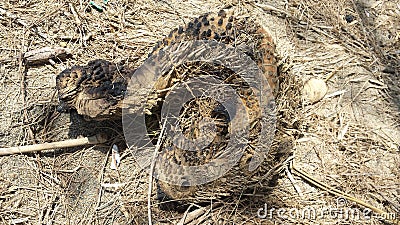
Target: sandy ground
{"x":349,"y":140}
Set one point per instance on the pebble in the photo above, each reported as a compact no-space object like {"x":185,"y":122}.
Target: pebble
{"x":314,"y":90}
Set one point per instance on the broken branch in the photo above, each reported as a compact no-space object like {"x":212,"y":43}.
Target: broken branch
{"x":96,"y":139}
{"x":43,"y":55}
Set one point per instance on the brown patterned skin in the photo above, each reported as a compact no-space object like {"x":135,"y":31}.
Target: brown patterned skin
{"x":96,"y":91}
{"x":248,"y":36}
{"x":225,"y":28}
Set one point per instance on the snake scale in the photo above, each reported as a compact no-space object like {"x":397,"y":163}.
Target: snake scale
{"x":97,"y":90}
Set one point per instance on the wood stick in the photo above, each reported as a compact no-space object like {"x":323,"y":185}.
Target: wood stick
{"x":152,"y":165}
{"x":73,"y":10}
{"x":196,"y":214}
{"x":96,"y":139}
{"x":43,"y":55}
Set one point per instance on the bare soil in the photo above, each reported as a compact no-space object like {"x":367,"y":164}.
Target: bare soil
{"x":349,"y":140}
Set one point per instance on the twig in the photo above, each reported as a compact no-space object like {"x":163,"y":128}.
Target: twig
{"x":270,"y":8}
{"x":201,"y":219}
{"x":101,"y":179}
{"x":97,"y":139}
{"x":334,"y":94}
{"x":337,"y":192}
{"x":266,"y":7}
{"x":331,"y":74}
{"x":43,"y":55}
{"x":153,"y":162}
{"x":73,"y":10}
{"x":186,"y":214}
{"x":197,"y":214}
{"x":369,"y":35}
{"x":43,"y":18}
{"x":22,"y":69}
{"x":12,"y":16}
{"x":26,"y":25}
{"x":296,"y":187}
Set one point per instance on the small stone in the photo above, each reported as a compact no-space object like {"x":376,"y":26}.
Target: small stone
{"x":63,"y":44}
{"x":314,"y":90}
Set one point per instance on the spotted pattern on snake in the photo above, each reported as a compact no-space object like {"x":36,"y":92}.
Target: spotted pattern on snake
{"x":97,"y":89}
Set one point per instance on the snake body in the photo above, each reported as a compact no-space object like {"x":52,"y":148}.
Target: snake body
{"x":96,"y":91}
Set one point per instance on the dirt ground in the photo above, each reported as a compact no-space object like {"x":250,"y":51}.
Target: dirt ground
{"x":349,"y":140}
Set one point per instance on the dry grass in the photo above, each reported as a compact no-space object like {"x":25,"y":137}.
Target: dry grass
{"x":349,"y":140}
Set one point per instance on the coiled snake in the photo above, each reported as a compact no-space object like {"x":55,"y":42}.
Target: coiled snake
{"x":97,"y":90}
